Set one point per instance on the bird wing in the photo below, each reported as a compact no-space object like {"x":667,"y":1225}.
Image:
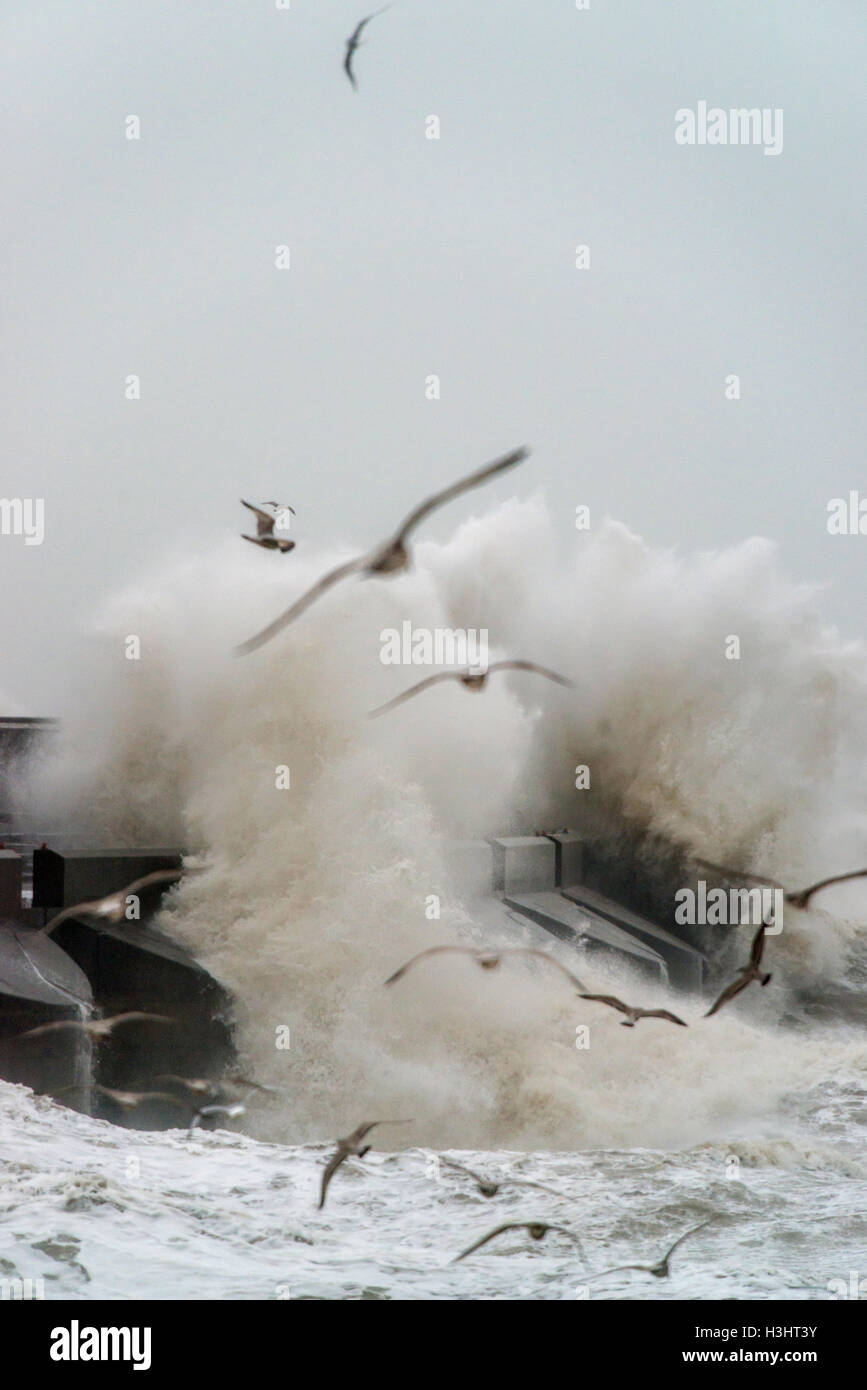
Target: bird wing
{"x":542,"y":1187}
{"x":298,"y":607}
{"x":758,"y":947}
{"x":51,"y":1027}
{"x":691,"y":1232}
{"x":77,"y":910}
{"x":364,"y":1129}
{"x":728,"y":994}
{"x":662,"y":1013}
{"x":803,"y":897}
{"x":347,"y":62}
{"x":439,"y":499}
{"x":264,"y":521}
{"x":608,"y":999}
{"x":531,"y":666}
{"x":158,"y":876}
{"x":136,"y":1014}
{"x":431,"y":951}
{"x":497,"y":1231}
{"x":462,"y":1168}
{"x":414,"y":690}
{"x":331,"y":1168}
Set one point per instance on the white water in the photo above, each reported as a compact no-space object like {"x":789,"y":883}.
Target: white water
{"x":311,"y":896}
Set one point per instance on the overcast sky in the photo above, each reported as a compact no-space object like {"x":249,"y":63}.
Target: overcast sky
{"x":412,"y":256}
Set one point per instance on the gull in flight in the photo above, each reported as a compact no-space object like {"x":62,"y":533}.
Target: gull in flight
{"x":352,"y":1146}
{"x":265,"y":524}
{"x":113,"y":906}
{"x":96,"y":1027}
{"x":488,"y":960}
{"x":391,"y":556}
{"x":661,"y":1269}
{"x":213,"y":1086}
{"x":799,"y":899}
{"x":536,"y":1229}
{"x":131,"y":1100}
{"x":354,"y":42}
{"x":489,"y":1188}
{"x":746,"y":974}
{"x":633,"y":1015}
{"x":471,"y":680}
{"x":231,"y":1112}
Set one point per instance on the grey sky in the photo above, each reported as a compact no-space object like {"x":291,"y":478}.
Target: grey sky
{"x":412,"y":256}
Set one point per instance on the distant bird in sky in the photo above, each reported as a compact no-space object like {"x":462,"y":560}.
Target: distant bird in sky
{"x":113,"y":905}
{"x":352,"y":1146}
{"x":746,"y":974}
{"x":204,"y":1112}
{"x":633,"y":1015}
{"x":661,"y":1269}
{"x":391,"y":556}
{"x":800,"y":898}
{"x":354,"y":42}
{"x":487,"y":1186}
{"x":470,"y":680}
{"x":536,"y":1229}
{"x":95,"y":1027}
{"x":488,"y":960}
{"x":265,"y":524}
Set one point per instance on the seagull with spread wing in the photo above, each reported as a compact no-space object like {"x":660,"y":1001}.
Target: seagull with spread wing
{"x":536,"y":1229}
{"x":746,"y":974}
{"x":632,"y":1014}
{"x":391,"y":556}
{"x":113,"y":906}
{"x":488,"y":960}
{"x":95,"y":1027}
{"x":352,"y":1146}
{"x":265,"y":524}
{"x":354,"y":42}
{"x":487,"y":1187}
{"x":470,"y":680}
{"x":661,"y":1269}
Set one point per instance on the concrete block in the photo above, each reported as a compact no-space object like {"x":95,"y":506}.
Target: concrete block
{"x":523,"y":863}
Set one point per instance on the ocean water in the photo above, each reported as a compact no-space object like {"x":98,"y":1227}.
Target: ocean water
{"x":310,"y":896}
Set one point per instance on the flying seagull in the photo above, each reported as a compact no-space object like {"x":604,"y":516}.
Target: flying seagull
{"x":537,"y":1229}
{"x":391,"y":556}
{"x":96,"y":1027}
{"x":131,"y":1100}
{"x":470,"y":680}
{"x":212,"y":1086}
{"x":632,"y":1015}
{"x":354,"y":42}
{"x":196,"y":1085}
{"x":265,"y":528}
{"x":746,"y":974}
{"x":798,"y":899}
{"x":489,"y":1188}
{"x":661,"y":1269}
{"x":205,"y":1111}
{"x":113,"y":905}
{"x":488,"y":960}
{"x":351,"y":1146}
